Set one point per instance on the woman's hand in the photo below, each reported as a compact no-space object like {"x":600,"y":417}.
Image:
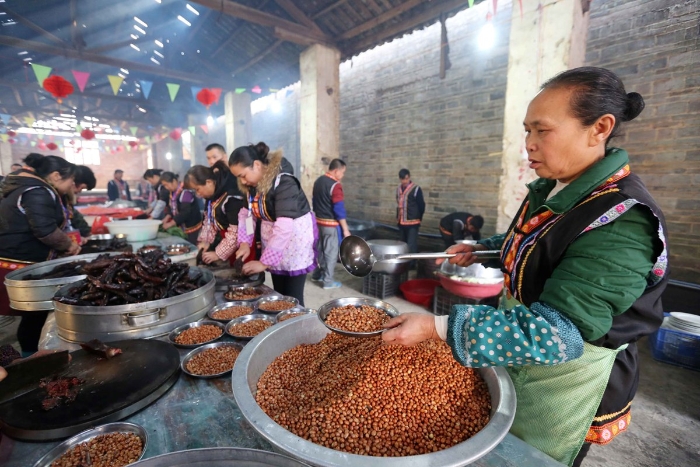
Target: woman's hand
{"x":253,"y":267}
{"x":243,"y":251}
{"x":74,"y":249}
{"x":209,"y":257}
{"x":167,"y":218}
{"x":168,"y":224}
{"x":83,"y":241}
{"x":410,"y":329}
{"x":203,"y":246}
{"x":464,"y":254}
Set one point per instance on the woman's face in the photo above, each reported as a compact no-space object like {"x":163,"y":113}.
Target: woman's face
{"x":170,"y":186}
{"x":62,"y":185}
{"x":203,"y":191}
{"x":249,"y":176}
{"x":558,"y":146}
{"x":153,"y":180}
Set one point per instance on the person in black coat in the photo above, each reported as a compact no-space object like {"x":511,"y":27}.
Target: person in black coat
{"x":118,"y":188}
{"x":159,"y":196}
{"x":460,"y":226}
{"x":182,"y":209}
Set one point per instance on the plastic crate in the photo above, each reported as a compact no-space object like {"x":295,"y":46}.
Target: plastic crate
{"x":676,"y":347}
{"x":382,"y":286}
{"x":444,"y":300}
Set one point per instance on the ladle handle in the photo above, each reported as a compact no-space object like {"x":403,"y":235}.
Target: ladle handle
{"x":481,"y":254}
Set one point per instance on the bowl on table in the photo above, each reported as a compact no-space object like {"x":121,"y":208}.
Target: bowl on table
{"x":137,"y":230}
{"x":177,"y":332}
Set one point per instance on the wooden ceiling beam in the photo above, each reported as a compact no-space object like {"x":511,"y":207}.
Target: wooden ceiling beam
{"x":409,"y":24}
{"x":298,"y":15}
{"x":237,"y":10}
{"x":31,"y":25}
{"x":111,"y":61}
{"x":383,"y":18}
{"x":329,"y":8}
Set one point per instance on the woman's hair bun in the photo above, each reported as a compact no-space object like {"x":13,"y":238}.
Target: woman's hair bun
{"x":262,"y":149}
{"x":33,"y":160}
{"x":634,"y":106}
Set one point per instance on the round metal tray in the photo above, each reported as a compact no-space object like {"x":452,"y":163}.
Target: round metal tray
{"x":275,"y":298}
{"x":177,"y":249}
{"x":198,"y":350}
{"x":117,"y":427}
{"x":220,"y":457}
{"x":279,"y":317}
{"x":245,"y":319}
{"x":326,"y":308}
{"x":177,"y":331}
{"x":225,"y":305}
{"x":263,"y":292}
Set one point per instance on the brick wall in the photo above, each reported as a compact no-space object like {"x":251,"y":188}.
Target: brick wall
{"x":653,"y":45}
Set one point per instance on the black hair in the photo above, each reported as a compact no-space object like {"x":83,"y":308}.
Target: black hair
{"x":152,"y":173}
{"x":16,"y":164}
{"x":336,"y":164}
{"x":199,"y":174}
{"x":403,"y":173}
{"x":477,"y":221}
{"x":215,"y":146}
{"x":169,"y":177}
{"x":597,"y":92}
{"x":45,"y":165}
{"x":246,"y":155}
{"x":118,"y":171}
{"x":84,"y":175}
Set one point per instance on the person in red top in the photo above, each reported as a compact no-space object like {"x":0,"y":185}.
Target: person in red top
{"x":329,"y":208}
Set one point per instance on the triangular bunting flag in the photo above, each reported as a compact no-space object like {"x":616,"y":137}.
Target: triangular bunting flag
{"x":204,"y":128}
{"x":29,"y":121}
{"x":240,"y":90}
{"x":195,"y":90}
{"x":172,"y":89}
{"x":146,"y":88}
{"x":4,"y":138}
{"x":81,"y":79}
{"x":217,"y":93}
{"x":274,"y":90}
{"x":133,"y":130}
{"x":115,"y":82}
{"x":148,"y":139}
{"x":256,"y":90}
{"x":41,"y":72}
{"x":78,"y":128}
{"x":40,"y":137}
{"x":5,"y":118}
{"x":192,"y":130}
{"x":471,"y":3}
{"x":32,"y":143}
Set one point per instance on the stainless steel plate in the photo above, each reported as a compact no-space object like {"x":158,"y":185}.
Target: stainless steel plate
{"x":258,"y":289}
{"x":223,"y":306}
{"x":280,"y":317}
{"x":245,"y":319}
{"x":176,"y":332}
{"x":280,"y":298}
{"x":326,"y":308}
{"x":199,"y":350}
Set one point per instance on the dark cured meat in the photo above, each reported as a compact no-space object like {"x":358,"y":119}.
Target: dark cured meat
{"x":59,"y":390}
{"x":100,"y":348}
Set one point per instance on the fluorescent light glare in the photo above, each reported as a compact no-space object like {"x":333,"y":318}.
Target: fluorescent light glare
{"x":168,"y":155}
{"x":210,"y":121}
{"x":28,"y":59}
{"x":140,"y":21}
{"x":184,"y":20}
{"x":136,"y":26}
{"x":159,"y":54}
{"x":134,"y":36}
{"x":191,"y":8}
{"x":155,"y":61}
{"x":125,"y":71}
{"x":135,"y":48}
{"x":158,"y":43}
{"x":23,"y":53}
{"x":487,"y":36}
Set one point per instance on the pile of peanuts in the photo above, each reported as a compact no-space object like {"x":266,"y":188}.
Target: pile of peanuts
{"x":232,"y":312}
{"x":111,"y":450}
{"x":242,"y":294}
{"x":357,"y":318}
{"x":249,"y":328}
{"x":276,"y":305}
{"x":291,"y":315}
{"x":198,"y":335}
{"x":366,"y":398}
{"x":213,"y":361}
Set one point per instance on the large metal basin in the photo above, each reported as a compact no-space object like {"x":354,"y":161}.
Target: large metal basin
{"x":264,"y":348}
{"x":382,"y":247}
{"x":136,"y":320}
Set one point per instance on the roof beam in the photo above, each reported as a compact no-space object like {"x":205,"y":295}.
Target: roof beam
{"x":111,"y":61}
{"x":237,"y":10}
{"x":384,"y":17}
{"x":328,"y":8}
{"x":21,"y":19}
{"x":298,"y":15}
{"x":432,"y":13}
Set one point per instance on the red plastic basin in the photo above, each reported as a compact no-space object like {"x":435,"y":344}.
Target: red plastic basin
{"x":419,"y":291}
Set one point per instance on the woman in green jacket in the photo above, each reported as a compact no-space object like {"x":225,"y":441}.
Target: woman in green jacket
{"x":584,"y":263}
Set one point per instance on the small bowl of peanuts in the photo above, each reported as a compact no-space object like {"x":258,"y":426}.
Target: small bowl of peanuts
{"x":292,"y":313}
{"x":356,"y":317}
{"x":274,"y":304}
{"x":211,"y":360}
{"x":245,"y":294}
{"x":249,"y":326}
{"x":230,"y":310}
{"x":115,"y":444}
{"x":195,"y":334}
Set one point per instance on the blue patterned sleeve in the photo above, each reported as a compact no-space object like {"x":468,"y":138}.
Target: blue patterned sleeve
{"x":481,"y":335}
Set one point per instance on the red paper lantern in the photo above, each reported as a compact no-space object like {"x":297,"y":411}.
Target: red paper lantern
{"x":42,"y":145}
{"x":58,"y":86}
{"x":87,"y":134}
{"x":11,"y":141}
{"x":206,"y":97}
{"x":133,"y":144}
{"x":175,"y":134}
{"x":11,"y":133}
{"x":120,"y":148}
{"x":52,"y":146}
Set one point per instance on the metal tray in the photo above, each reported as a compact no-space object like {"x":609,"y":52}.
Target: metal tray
{"x":176,"y":332}
{"x":245,"y":319}
{"x":197,"y":351}
{"x":225,"y":305}
{"x":339,"y":302}
{"x":220,"y":457}
{"x":118,"y":427}
{"x":279,"y":317}
{"x":259,"y":289}
{"x":275,"y":298}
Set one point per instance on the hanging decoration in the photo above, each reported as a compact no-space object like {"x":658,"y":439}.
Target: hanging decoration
{"x":195,"y":91}
{"x":176,"y":134}
{"x":217,"y":93}
{"x":191,"y":129}
{"x":59,"y":87}
{"x":256,"y":90}
{"x":206,"y":97}
{"x":11,"y":133}
{"x":204,"y":128}
{"x":146,"y":88}
{"x":29,"y":121}
{"x":115,"y":82}
{"x":172,"y":90}
{"x":133,"y":130}
{"x":12,"y":141}
{"x":41,"y":145}
{"x":133,"y":144}
{"x":5,"y":118}
{"x":41,"y":72}
{"x":81,"y":79}
{"x":87,"y":134}
{"x":240,"y":90}
{"x":52,"y":146}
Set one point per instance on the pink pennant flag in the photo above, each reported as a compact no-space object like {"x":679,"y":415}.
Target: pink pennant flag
{"x":256,"y":90}
{"x":217,"y":93}
{"x":204,"y":128}
{"x":81,"y":78}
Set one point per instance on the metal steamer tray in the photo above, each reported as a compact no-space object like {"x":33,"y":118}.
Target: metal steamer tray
{"x":111,"y":390}
{"x":135,"y":320}
{"x":224,"y":279}
{"x":35,"y":295}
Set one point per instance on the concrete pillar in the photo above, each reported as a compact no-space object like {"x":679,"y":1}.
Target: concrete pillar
{"x":548,"y":39}
{"x":5,"y":158}
{"x":319,"y":137}
{"x":238,"y":120}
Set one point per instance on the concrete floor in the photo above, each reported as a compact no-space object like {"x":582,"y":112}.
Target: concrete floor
{"x":665,"y":428}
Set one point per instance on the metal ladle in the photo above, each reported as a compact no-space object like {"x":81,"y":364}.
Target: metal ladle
{"x":357,"y":257}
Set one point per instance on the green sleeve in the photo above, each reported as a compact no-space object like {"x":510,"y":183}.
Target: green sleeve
{"x":604,"y":271}
{"x":493,"y":243}
{"x":80,"y":223}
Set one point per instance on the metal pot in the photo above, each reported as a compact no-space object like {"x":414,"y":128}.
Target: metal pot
{"x":34,"y":295}
{"x":264,"y":348}
{"x":135,"y":320}
{"x":382,"y":247}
